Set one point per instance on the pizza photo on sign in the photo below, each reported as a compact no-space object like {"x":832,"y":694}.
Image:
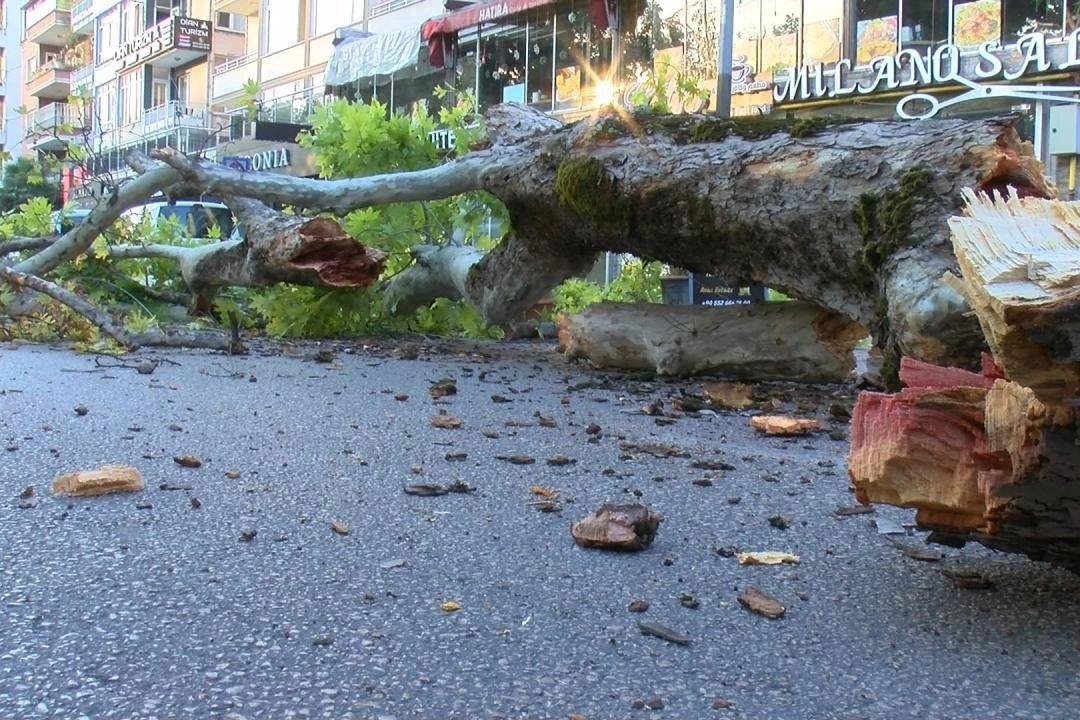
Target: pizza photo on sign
{"x":875,"y":38}
{"x":976,"y":22}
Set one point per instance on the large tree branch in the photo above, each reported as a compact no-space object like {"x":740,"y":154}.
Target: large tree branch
{"x":18,"y":243}
{"x":161,"y":338}
{"x":335,"y":196}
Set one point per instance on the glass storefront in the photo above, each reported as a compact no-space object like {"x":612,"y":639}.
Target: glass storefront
{"x":554,"y":57}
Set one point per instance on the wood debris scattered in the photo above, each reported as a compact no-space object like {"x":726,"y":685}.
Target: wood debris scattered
{"x":756,"y":600}
{"x":617,"y":527}
{"x":783,"y":425}
{"x":100,"y":481}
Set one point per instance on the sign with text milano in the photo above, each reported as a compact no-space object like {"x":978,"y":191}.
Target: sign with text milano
{"x":1031,"y":55}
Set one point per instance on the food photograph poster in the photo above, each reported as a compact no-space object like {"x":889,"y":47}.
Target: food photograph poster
{"x":875,"y":38}
{"x":976,"y":22}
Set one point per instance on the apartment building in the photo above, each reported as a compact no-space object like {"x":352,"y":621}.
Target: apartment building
{"x":113,"y":75}
{"x":9,"y":75}
{"x":289,"y":45}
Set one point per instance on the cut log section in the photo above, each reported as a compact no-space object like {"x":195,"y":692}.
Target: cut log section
{"x":771,"y":341}
{"x":985,"y":460}
{"x":1020,"y":265}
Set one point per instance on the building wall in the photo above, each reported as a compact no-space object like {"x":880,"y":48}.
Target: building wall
{"x":11,"y":135}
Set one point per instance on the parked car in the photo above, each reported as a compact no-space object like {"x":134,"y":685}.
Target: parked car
{"x":195,"y":217}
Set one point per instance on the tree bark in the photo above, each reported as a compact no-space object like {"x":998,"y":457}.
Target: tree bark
{"x":843,"y":216}
{"x":773,"y":341}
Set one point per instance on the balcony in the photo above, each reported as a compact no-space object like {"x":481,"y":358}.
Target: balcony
{"x":82,"y":76}
{"x":82,"y":16}
{"x":48,"y":22}
{"x":229,"y":77}
{"x":248,"y":8}
{"x":170,"y":120}
{"x":55,"y":125}
{"x":51,"y":80}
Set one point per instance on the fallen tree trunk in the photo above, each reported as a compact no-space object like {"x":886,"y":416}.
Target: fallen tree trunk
{"x":980,"y":457}
{"x":773,"y":341}
{"x":854,"y":221}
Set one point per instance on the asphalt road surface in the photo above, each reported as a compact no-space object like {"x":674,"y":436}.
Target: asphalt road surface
{"x":151,"y":605}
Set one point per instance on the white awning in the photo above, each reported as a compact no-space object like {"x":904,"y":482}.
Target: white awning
{"x":363,"y":55}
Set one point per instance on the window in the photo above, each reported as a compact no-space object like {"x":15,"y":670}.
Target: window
{"x":876,"y":29}
{"x":1023,"y":16}
{"x":924,"y":23}
{"x":160,"y":93}
{"x":283,"y":24}
{"x":107,"y":36}
{"x":231,"y":21}
{"x":31,"y":67}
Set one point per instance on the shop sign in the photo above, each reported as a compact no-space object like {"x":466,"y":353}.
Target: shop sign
{"x":145,"y":44}
{"x":493,"y":12}
{"x":1032,"y":54}
{"x":192,"y":34}
{"x":271,"y":159}
{"x":744,"y":78}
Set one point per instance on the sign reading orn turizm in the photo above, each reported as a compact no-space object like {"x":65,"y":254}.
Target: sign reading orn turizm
{"x":176,"y":33}
{"x":945,"y":64}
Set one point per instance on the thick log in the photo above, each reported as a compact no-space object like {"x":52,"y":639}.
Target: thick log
{"x":842,"y":216}
{"x":782,"y":341}
{"x":985,"y":461}
{"x":1020,"y":264}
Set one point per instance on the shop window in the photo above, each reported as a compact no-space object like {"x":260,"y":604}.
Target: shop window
{"x":822,"y":41}
{"x":924,"y":23}
{"x":571,"y":53}
{"x":781,"y":21}
{"x":876,"y":29}
{"x":540,"y":82}
{"x":1026,"y":16}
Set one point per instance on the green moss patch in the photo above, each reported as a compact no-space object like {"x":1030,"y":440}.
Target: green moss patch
{"x":586,"y":188}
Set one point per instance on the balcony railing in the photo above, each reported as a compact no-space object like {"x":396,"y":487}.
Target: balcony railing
{"x":48,"y":23}
{"x":82,"y":13}
{"x":62,"y":118}
{"x":384,"y":7}
{"x":234,"y":63}
{"x":82,"y":74}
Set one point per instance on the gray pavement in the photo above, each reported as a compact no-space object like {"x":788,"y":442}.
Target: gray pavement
{"x":144,"y":606}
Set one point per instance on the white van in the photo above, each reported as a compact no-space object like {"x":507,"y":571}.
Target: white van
{"x":195,"y":217}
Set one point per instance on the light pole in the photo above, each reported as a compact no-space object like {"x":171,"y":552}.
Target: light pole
{"x":726,"y":41}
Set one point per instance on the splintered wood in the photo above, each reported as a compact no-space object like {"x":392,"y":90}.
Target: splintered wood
{"x":101,"y":481}
{"x":1020,"y":265}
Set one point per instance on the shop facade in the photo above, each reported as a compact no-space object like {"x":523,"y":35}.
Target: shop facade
{"x":915,"y":59}
{"x":558,"y":56}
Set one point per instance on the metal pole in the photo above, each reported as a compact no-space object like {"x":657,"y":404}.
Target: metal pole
{"x":723,"y":77}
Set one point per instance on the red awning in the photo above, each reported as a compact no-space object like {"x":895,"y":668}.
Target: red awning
{"x":476,"y":14}
{"x":440,"y":32}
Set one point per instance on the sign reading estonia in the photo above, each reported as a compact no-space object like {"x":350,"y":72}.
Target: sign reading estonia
{"x":176,"y":33}
{"x":271,"y":159}
{"x":1031,"y":54}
